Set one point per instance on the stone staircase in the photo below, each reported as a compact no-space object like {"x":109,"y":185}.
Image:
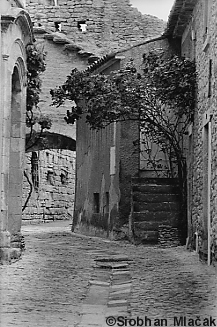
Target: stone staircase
{"x":156,"y":209}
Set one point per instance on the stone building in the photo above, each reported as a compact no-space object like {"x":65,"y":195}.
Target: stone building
{"x":75,"y":34}
{"x":16,"y":33}
{"x":192,"y":28}
{"x":193,"y":24}
{"x":108,"y":164}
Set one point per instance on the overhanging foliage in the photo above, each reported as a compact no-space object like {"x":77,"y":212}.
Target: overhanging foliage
{"x":161,"y":97}
{"x":127,"y":94}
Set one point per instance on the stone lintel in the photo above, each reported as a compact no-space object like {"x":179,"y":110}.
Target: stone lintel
{"x":6,"y":20}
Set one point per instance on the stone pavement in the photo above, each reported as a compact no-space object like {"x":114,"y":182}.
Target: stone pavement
{"x":69,"y":280}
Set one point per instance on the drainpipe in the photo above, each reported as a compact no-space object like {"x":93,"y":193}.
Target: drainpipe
{"x":112,"y":176}
{"x":209,"y":190}
{"x":197,"y":242}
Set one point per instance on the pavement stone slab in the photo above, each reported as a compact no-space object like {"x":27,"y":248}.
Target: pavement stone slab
{"x":117,"y":303}
{"x":93,"y":308}
{"x":92,"y":318}
{"x":99,"y":283}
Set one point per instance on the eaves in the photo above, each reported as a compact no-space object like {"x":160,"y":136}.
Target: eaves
{"x":108,"y":60}
{"x":179,"y":17}
{"x":84,"y":51}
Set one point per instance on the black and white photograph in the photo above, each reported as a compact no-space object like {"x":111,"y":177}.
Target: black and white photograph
{"x":108,"y":163}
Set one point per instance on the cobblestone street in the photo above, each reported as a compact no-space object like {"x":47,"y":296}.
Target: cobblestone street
{"x":68,"y":280}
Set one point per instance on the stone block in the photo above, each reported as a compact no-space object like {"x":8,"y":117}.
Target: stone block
{"x":118,"y":303}
{"x":4,"y":255}
{"x":15,"y":253}
{"x":5,"y":239}
{"x":98,"y":283}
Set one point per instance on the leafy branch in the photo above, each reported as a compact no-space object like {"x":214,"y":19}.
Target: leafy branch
{"x":35,"y":67}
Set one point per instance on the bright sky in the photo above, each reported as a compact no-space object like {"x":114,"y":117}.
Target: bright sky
{"x":159,"y":8}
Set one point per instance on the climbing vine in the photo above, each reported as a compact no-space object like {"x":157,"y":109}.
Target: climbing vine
{"x":34,"y":119}
{"x":35,"y":67}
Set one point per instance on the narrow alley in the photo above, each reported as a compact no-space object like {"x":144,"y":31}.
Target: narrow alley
{"x":69,"y":280}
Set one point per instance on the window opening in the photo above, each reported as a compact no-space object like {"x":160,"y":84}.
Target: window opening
{"x":50,"y":177}
{"x":96,"y":202}
{"x":58,"y":26}
{"x":34,"y":170}
{"x":64,"y":178}
{"x":82,"y":25}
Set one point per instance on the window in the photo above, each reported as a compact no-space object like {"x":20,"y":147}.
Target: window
{"x":96,"y":202}
{"x":34,"y":170}
{"x":64,"y":178}
{"x":82,"y":26}
{"x":50,"y":177}
{"x":57,"y":26}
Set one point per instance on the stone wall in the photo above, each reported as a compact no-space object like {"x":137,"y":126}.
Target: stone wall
{"x":52,"y":175}
{"x":199,"y":43}
{"x":59,"y":63}
{"x":107,"y":25}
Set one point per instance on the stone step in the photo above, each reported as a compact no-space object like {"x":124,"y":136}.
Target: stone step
{"x":150,"y":173}
{"x":162,"y":206}
{"x":111,"y":265}
{"x":159,"y":216}
{"x":118,"y":281}
{"x":156,"y":189}
{"x":157,"y":181}
{"x":154,"y":225}
{"x":113,"y":258}
{"x":99,"y":283}
{"x":155,"y":198}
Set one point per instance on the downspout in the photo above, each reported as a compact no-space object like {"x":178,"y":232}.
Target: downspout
{"x":209,"y":190}
{"x":112,"y":177}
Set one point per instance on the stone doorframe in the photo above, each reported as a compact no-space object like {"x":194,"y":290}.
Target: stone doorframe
{"x":16,"y":33}
{"x":13,"y":149}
